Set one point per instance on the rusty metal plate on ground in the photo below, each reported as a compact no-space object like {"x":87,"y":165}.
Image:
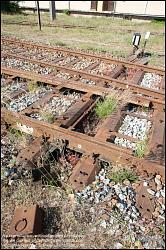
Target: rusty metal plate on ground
{"x":84,"y":173}
{"x":27,"y":155}
{"x":144,"y":201}
{"x":27,"y":220}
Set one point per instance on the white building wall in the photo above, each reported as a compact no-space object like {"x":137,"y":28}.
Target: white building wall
{"x":30,"y":4}
{"x":45,"y":4}
{"x":134,"y":7}
{"x":155,"y":8}
{"x":80,"y":5}
{"x":60,"y":5}
{"x":141,"y":7}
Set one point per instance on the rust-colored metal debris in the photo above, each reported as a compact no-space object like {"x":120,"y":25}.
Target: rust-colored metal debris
{"x":27,"y":220}
{"x":144,"y":202}
{"x":84,"y":173}
{"x":28,"y":154}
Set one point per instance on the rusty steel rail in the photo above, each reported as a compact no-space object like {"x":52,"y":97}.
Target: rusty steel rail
{"x":98,"y":144}
{"x":101,"y":80}
{"x":84,"y":143}
{"x":97,"y":90}
{"x":85,"y":55}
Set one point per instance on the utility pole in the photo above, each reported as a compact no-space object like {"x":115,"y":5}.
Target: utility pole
{"x":38,"y":12}
{"x":52,"y":10}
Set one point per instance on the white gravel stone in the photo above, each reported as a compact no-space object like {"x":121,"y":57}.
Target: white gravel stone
{"x":102,"y":178}
{"x":118,"y":245}
{"x":158,"y":182}
{"x":103,"y":224}
{"x":145,"y":184}
{"x":150,"y":191}
{"x":157,"y":194}
{"x":87,"y":81}
{"x":163,"y":206}
{"x":10,"y":182}
{"x":162,"y":193}
{"x":106,"y":181}
{"x":32,"y":246}
{"x":121,"y":196}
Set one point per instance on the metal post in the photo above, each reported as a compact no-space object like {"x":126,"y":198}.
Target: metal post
{"x":69,"y":5}
{"x":38,"y":12}
{"x":52,"y":10}
{"x":114,"y":9}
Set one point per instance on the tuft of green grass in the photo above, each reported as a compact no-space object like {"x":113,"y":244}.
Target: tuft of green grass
{"x":59,"y":43}
{"x":158,"y":22}
{"x":124,"y":174}
{"x":32,"y":86}
{"x":2,"y":174}
{"x":105,"y":108}
{"x":67,"y":12}
{"x":141,"y":149}
{"x":17,"y":136}
{"x":14,"y":134}
{"x":109,"y":105}
{"x":48,"y":117}
{"x":145,"y":109}
{"x":50,"y":183}
{"x":162,"y":229}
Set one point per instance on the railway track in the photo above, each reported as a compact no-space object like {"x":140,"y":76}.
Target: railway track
{"x":68,"y":124}
{"x":83,"y":68}
{"x":58,"y":103}
{"x":90,"y":87}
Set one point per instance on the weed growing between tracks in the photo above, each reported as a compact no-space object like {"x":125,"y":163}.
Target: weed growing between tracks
{"x":33,"y":86}
{"x":112,"y":102}
{"x":18,"y":137}
{"x":47,"y":116}
{"x":121,"y":175}
{"x":107,"y":107}
{"x":104,"y":107}
{"x":141,"y":148}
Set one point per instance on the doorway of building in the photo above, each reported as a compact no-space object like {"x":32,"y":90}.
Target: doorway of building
{"x":94,"y":5}
{"x":108,"y":5}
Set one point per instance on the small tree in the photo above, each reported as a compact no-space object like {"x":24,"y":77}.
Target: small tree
{"x":10,"y":6}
